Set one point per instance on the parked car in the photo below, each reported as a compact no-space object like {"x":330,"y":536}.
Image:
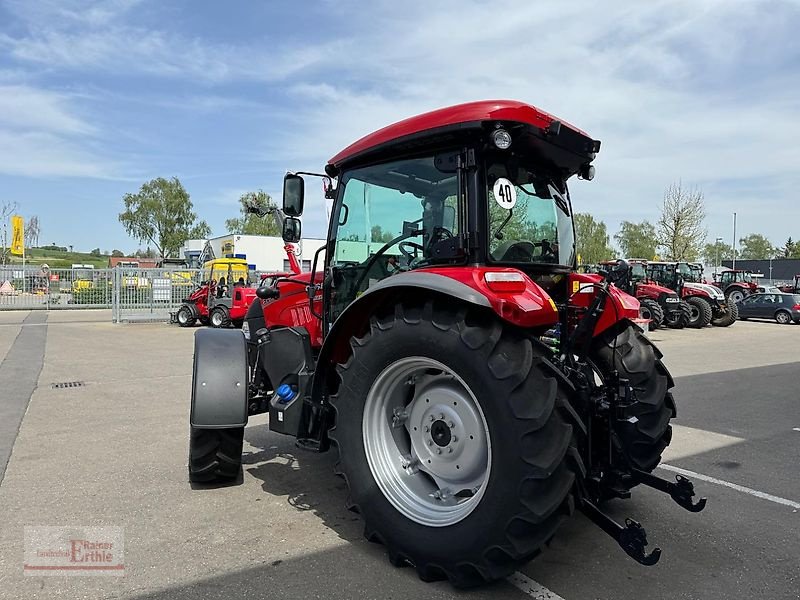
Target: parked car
{"x":768,"y":289}
{"x":784,"y":308}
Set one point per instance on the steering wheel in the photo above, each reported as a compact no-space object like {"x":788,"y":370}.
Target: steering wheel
{"x":519,"y":252}
{"x":404,"y":250}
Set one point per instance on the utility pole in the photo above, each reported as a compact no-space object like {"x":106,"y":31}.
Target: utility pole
{"x":734,"y":241}
{"x":717,"y":264}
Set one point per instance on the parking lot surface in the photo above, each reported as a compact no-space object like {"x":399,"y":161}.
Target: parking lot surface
{"x":113,"y":452}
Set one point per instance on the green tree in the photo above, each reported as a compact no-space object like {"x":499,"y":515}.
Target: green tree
{"x":591,"y":239}
{"x":378,"y":235}
{"x":637,"y":240}
{"x":718,"y":251}
{"x":251,"y":224}
{"x":117,"y":253}
{"x":161,"y":214}
{"x":755,"y":247}
{"x":95,"y":252}
{"x":680,"y":228}
{"x":791,"y":249}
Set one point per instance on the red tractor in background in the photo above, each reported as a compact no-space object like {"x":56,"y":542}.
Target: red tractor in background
{"x":418,"y":349}
{"x":225,"y":294}
{"x":706,"y":302}
{"x":735,"y":284}
{"x":222,"y":298}
{"x":662,"y":306}
{"x":792,"y":288}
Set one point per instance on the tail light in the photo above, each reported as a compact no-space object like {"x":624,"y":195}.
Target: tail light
{"x":796,"y":307}
{"x":504,"y":282}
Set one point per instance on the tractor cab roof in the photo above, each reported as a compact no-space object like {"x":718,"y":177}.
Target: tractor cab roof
{"x":224,"y":262}
{"x":548,"y":139}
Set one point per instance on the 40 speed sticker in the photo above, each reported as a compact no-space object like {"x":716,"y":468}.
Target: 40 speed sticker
{"x":505,"y":194}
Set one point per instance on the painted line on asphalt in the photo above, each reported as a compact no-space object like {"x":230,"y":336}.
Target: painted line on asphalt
{"x":733,"y":486}
{"x":531,"y":587}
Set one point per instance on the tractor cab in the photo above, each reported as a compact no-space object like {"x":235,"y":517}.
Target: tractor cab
{"x":223,"y":274}
{"x":736,"y":284}
{"x":730,"y":276}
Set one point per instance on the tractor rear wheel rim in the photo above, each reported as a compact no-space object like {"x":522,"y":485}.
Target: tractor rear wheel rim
{"x":694,"y":313}
{"x":427,"y":441}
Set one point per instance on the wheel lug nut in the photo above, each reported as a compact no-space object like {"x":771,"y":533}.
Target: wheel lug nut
{"x":449,"y":450}
{"x":450,"y":424}
{"x":441,"y":416}
{"x":427,"y":429}
{"x":430,"y":442}
{"x":454,"y":438}
{"x":438,"y":451}
{"x":432,"y":418}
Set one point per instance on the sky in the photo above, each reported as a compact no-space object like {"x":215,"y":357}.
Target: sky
{"x":97,"y":97}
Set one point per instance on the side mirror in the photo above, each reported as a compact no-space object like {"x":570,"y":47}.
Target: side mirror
{"x":291,"y":230}
{"x":267,"y":292}
{"x":293,"y":192}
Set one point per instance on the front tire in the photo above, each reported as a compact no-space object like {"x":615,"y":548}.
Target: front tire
{"x":700,"y":312}
{"x":215,"y":455}
{"x":650,"y":309}
{"x":639,"y":361}
{"x":185,"y":316}
{"x":435,"y":366}
{"x":728,"y":318}
{"x":219,"y":317}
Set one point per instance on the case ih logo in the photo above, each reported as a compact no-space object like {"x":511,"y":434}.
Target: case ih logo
{"x":74,"y":551}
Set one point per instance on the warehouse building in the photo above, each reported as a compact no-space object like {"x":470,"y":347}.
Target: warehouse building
{"x":777,"y":270}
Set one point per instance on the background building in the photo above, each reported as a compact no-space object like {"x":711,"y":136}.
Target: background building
{"x":266,"y":253}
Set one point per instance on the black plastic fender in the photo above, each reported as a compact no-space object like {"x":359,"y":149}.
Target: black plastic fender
{"x":219,"y":379}
{"x":359,"y":311}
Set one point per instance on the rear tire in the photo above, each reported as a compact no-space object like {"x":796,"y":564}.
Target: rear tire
{"x":734,"y":296}
{"x":185,"y":316}
{"x":215,"y":455}
{"x":219,"y":317}
{"x":783,"y":317}
{"x":700,"y":312}
{"x":528,"y":445}
{"x":639,"y":361}
{"x":678,"y":317}
{"x":728,"y":318}
{"x":650,"y":309}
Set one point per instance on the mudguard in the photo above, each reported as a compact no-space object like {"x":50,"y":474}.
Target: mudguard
{"x":219,"y":379}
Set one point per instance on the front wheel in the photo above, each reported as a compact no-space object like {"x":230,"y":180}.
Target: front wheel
{"x":652,"y":311}
{"x":215,"y":455}
{"x":219,"y":317}
{"x":454,"y":439}
{"x":728,"y":318}
{"x":185,"y":316}
{"x":700,"y":312}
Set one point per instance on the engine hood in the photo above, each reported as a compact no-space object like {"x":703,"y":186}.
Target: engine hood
{"x":713,"y":292}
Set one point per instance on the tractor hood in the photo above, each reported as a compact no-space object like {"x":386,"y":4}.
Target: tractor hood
{"x":713,"y":292}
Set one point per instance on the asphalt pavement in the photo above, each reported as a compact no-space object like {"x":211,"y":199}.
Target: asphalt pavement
{"x":113,"y":452}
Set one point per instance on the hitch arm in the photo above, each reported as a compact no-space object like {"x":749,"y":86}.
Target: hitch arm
{"x":682,"y":491}
{"x":632,"y":538}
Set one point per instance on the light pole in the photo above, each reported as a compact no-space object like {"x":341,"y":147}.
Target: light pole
{"x":734,"y":242}
{"x":716,"y":266}
{"x":770,"y":270}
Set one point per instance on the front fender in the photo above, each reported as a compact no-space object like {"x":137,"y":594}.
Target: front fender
{"x":219,"y":379}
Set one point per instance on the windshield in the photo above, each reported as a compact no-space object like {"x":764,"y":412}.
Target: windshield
{"x":637,"y":271}
{"x":529,"y":220}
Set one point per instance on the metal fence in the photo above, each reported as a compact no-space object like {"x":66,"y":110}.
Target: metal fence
{"x":132,"y":294}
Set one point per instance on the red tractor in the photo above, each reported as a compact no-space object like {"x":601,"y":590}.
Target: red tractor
{"x":662,"y":306}
{"x":222,"y":298}
{"x":417,"y":349}
{"x":735,"y":284}
{"x":707,"y":303}
{"x":792,"y":288}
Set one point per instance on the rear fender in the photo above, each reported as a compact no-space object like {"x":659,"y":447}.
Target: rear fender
{"x":219,"y":379}
{"x":531,"y":308}
{"x":619,"y":306}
